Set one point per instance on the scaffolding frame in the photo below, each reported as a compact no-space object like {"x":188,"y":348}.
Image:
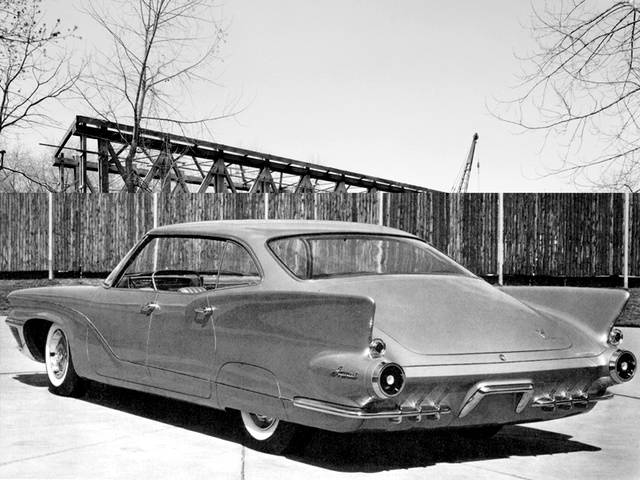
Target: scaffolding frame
{"x":167,"y":162}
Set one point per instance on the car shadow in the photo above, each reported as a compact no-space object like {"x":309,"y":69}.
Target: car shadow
{"x":32,"y":379}
{"x":353,"y":452}
{"x":371,"y":452}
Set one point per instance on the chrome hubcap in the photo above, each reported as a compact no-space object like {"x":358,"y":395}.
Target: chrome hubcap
{"x":58,"y":354}
{"x":261,"y":421}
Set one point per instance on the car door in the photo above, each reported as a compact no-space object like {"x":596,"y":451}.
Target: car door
{"x":119,"y":317}
{"x":120,"y":314}
{"x":181,"y":345}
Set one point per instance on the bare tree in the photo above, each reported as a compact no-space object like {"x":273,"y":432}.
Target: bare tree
{"x":582,"y":86}
{"x":22,"y":171}
{"x":160,"y":48}
{"x":34,"y":64}
{"x":35,"y":69}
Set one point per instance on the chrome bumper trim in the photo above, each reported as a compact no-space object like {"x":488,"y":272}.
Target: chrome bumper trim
{"x":13,"y":323}
{"x":566,"y":402}
{"x":484,"y":389}
{"x":432,"y":412}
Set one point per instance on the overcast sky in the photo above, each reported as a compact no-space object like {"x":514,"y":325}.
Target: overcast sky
{"x":394,"y":89}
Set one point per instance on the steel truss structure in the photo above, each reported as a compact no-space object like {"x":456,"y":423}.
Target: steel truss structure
{"x":168,"y":162}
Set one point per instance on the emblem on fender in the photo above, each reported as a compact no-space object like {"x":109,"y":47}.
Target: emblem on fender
{"x":340,"y":372}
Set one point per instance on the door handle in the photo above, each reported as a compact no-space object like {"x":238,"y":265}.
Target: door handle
{"x":205,"y":310}
{"x":203,"y":314}
{"x":149,"y":308}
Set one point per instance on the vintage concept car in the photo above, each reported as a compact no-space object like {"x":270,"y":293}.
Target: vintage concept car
{"x":333,"y":325}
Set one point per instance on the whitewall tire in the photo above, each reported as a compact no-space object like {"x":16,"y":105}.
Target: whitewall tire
{"x":62,"y":376}
{"x":266,"y":434}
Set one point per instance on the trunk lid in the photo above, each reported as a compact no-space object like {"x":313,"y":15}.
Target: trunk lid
{"x":448,"y":315}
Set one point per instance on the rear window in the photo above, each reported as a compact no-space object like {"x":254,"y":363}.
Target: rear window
{"x":325,"y":256}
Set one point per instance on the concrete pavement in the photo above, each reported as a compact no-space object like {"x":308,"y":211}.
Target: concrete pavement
{"x":115,"y":433}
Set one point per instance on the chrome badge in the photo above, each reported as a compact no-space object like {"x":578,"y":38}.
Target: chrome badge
{"x":541,"y":332}
{"x":340,"y":372}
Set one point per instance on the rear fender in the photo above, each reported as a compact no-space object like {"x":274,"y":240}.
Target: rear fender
{"x":592,"y":310}
{"x":286,"y":332}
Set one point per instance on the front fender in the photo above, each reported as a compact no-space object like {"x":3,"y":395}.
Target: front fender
{"x":74,"y":323}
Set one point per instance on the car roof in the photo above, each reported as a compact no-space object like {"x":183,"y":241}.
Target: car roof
{"x":272,"y":228}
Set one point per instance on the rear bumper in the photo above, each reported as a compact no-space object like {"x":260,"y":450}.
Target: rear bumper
{"x":395,"y":414}
{"x":471,"y":395}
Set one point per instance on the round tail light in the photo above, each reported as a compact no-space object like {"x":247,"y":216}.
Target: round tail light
{"x":388,"y":380}
{"x":622,"y":366}
{"x":377,"y":348}
{"x":615,"y":337}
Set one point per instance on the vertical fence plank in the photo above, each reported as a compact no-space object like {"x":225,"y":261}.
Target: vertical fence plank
{"x":92,"y":232}
{"x":473,"y":231}
{"x":292,"y":206}
{"x":24,"y":230}
{"x":634,"y":235}
{"x":423,"y":214}
{"x":578,"y":235}
{"x":347,"y":207}
{"x":563,"y":235}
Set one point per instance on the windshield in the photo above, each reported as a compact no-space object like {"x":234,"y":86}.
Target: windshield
{"x":325,"y":256}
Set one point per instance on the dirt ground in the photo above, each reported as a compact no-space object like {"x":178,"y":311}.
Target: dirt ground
{"x":630,"y":316}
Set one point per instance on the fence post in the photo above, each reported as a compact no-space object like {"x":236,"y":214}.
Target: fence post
{"x":625,"y":236}
{"x":315,"y":205}
{"x":50,"y":236}
{"x":266,"y":206}
{"x":155,"y":209}
{"x":380,"y":208}
{"x":500,"y":238}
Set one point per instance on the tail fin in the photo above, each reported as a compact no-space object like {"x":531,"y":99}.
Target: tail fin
{"x":593,"y":310}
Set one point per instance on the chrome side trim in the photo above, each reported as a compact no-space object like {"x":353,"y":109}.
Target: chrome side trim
{"x":430,"y":411}
{"x":565,"y":401}
{"x":484,"y":389}
{"x":13,"y":322}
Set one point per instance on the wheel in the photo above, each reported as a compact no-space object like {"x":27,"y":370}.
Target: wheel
{"x":63,"y":379}
{"x":267,"y":434}
{"x":481,"y":433}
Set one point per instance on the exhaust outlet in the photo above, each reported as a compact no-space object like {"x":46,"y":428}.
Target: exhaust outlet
{"x":622,"y":366}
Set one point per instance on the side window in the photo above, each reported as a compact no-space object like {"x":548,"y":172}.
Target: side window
{"x":238,"y":267}
{"x":185,"y":264}
{"x":189,"y":265}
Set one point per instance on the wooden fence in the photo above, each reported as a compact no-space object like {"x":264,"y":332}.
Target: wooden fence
{"x":563,"y":235}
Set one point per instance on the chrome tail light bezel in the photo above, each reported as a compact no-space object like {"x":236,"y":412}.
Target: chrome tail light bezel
{"x":377,"y":348}
{"x":615,"y":337}
{"x":622,"y":366}
{"x":379,"y":380}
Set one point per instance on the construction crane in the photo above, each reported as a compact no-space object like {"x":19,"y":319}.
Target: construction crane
{"x":461,"y":184}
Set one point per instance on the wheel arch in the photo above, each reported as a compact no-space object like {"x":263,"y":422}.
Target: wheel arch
{"x":35,"y":324}
{"x":244,"y":387}
{"x":35,"y":332}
